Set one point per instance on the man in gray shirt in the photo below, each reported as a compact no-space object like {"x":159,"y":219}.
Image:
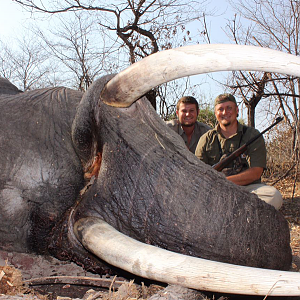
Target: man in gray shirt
{"x":186,"y":124}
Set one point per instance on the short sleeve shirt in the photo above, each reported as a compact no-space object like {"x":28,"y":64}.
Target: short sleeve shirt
{"x":212,"y":145}
{"x":200,"y":129}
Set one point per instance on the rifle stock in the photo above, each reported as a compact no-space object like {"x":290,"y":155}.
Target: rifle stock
{"x":226,"y":161}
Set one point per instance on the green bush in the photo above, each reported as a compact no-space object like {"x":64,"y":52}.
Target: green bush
{"x":207,"y":116}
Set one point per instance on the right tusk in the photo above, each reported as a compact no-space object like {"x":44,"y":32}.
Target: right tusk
{"x":162,"y":265}
{"x":158,"y":68}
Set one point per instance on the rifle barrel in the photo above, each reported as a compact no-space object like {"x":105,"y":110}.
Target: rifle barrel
{"x":223,"y":163}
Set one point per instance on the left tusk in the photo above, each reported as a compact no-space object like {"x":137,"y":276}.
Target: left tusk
{"x":156,"y":69}
{"x":165,"y":266}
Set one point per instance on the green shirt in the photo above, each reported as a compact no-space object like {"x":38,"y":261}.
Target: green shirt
{"x":200,"y":129}
{"x":212,"y":145}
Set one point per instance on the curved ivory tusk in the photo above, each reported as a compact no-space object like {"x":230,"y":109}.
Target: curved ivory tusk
{"x":165,"y":266}
{"x":132,"y":83}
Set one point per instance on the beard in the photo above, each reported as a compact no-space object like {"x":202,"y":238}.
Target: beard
{"x":225,"y":122}
{"x":188,"y":124}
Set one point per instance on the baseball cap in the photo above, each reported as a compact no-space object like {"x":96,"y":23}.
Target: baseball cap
{"x":224,"y":98}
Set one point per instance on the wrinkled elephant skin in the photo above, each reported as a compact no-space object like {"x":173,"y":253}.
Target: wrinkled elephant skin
{"x":146,"y":185}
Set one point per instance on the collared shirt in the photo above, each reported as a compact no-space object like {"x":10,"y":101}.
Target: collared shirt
{"x":208,"y":149}
{"x":199,"y":130}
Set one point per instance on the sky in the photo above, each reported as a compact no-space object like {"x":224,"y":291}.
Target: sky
{"x":13,"y":17}
{"x":14,"y":21}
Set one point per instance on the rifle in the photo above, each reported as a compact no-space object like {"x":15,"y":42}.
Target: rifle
{"x":223,"y":163}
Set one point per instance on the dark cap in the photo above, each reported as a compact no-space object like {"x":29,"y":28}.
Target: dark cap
{"x":224,"y":98}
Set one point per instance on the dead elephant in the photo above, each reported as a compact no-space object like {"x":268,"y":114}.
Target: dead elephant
{"x":144,"y":182}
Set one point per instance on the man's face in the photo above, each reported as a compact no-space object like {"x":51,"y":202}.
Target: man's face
{"x":226,"y":113}
{"x":187,"y":114}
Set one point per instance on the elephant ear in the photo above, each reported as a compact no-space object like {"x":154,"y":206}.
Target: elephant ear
{"x":6,"y":87}
{"x":85,"y":124}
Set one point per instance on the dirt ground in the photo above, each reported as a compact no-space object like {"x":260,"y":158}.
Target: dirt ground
{"x":291,"y":211}
{"x":35,"y":277}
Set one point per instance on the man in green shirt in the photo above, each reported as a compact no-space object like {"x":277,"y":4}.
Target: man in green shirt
{"x":228,"y":136}
{"x":186,"y":125}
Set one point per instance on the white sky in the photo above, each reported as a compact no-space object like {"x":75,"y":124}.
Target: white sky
{"x":13,"y":17}
{"x":14,"y":22}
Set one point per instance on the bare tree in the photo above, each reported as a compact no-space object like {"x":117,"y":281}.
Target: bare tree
{"x":139,"y":24}
{"x":74,"y":45}
{"x":273,"y":24}
{"x":25,"y":64}
{"x":135,"y":27}
{"x":269,"y":27}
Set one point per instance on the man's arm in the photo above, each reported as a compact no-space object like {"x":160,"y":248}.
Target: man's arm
{"x":246,"y":177}
{"x":256,"y":157}
{"x":200,"y":149}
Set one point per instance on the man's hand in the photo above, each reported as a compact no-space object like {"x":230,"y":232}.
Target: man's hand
{"x":238,"y":166}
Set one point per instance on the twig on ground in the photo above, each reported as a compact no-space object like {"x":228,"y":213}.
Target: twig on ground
{"x":76,"y":280}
